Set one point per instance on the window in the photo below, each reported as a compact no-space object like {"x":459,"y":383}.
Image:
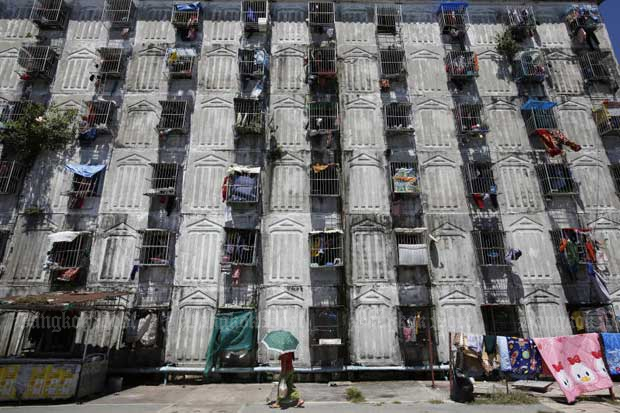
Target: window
{"x":180,"y":62}
{"x":556,"y":179}
{"x":461,"y":65}
{"x":522,"y":21}
{"x":415,"y":327}
{"x":240,"y":246}
{"x":453,"y":17}
{"x":173,"y":115}
{"x":592,"y":319}
{"x":164,"y":179}
{"x":72,"y":254}
{"x":392,"y":62}
{"x":577,"y":236}
{"x":11,"y":174}
{"x":469,"y":119}
{"x":322,"y":61}
{"x":325,"y":180}
{"x":118,"y":12}
{"x":583,"y":17}
{"x":48,"y":338}
{"x":156,"y":248}
{"x":185,"y":14}
{"x":37,"y":61}
{"x":239,"y":294}
{"x":387,"y":19}
{"x":323,"y":116}
{"x":412,"y":250}
{"x":254,"y":14}
{"x":82,"y":187}
{"x":479,"y":178}
{"x":253,"y":62}
{"x":404,"y":176}
{"x":614,"y":170}
{"x":242,"y":185}
{"x":11,"y":110}
{"x":321,"y":13}
{"x":249,"y":115}
{"x":326,"y":248}
{"x":501,"y":320}
{"x":595,"y":66}
{"x":530,"y":66}
{"x":539,"y":119}
{"x":98,"y":114}
{"x":490,"y":247}
{"x":111,"y":61}
{"x":48,"y":13}
{"x":397,"y":117}
{"x":607,"y":118}
{"x":327,"y":326}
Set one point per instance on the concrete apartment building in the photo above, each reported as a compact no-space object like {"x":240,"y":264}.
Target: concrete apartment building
{"x":354,"y":172}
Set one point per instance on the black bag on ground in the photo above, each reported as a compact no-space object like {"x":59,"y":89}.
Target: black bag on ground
{"x":462,"y":388}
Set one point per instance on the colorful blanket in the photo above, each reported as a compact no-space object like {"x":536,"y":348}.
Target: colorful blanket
{"x":525,"y":361}
{"x":576,"y":363}
{"x":611,"y":342}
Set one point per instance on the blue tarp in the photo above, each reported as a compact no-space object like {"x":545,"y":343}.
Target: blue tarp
{"x":452,"y":6}
{"x":87,"y":171}
{"x":193,"y":6}
{"x":533,"y":104}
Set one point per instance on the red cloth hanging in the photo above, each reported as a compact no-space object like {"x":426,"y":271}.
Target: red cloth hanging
{"x":479,"y":200}
{"x":224,"y":189}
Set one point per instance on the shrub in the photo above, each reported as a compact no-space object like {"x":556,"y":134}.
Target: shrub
{"x":506,"y":45}
{"x":354,"y":395}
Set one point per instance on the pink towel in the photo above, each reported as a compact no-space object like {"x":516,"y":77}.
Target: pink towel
{"x":576,"y":363}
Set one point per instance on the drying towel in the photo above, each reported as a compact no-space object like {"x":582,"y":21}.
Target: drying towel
{"x":525,"y":361}
{"x":490,"y":344}
{"x":504,"y":355}
{"x":576,"y":363}
{"x":611,"y":342}
{"x":474,"y":342}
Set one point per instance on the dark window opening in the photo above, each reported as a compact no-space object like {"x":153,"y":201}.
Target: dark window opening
{"x":173,"y":115}
{"x":490,"y":247}
{"x":156,"y":248}
{"x":325,"y":180}
{"x":502,"y":320}
{"x":388,"y":19}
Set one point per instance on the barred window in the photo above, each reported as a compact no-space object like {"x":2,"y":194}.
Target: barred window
{"x":184,"y":14}
{"x":387,"y":18}
{"x":595,"y":66}
{"x":539,"y":119}
{"x":501,"y":320}
{"x":614,"y":170}
{"x":48,"y":13}
{"x":556,"y":179}
{"x":392,"y":62}
{"x":72,"y":254}
{"x":252,"y":11}
{"x":530,"y":66}
{"x":11,"y":175}
{"x":164,"y":179}
{"x":412,"y":249}
{"x":322,"y":61}
{"x":397,"y":117}
{"x":156,"y":248}
{"x":321,"y":13}
{"x":607,"y":118}
{"x":180,"y":62}
{"x":240,"y":246}
{"x":325,"y":180}
{"x":327,"y":326}
{"x":578,"y":236}
{"x":326,"y":248}
{"x":323,"y":116}
{"x":242,"y":187}
{"x":479,"y":177}
{"x":453,"y":17}
{"x":37,"y":60}
{"x":490,"y":247}
{"x":469,"y":118}
{"x":521,"y":17}
{"x":99,"y":114}
{"x":461,"y":65}
{"x":249,"y":115}
{"x":118,"y":12}
{"x":111,"y":61}
{"x":404,"y":177}
{"x":253,"y":62}
{"x":173,"y":115}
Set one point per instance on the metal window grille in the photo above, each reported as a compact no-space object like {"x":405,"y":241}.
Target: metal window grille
{"x":4,"y":242}
{"x":37,"y":60}
{"x":530,"y":66}
{"x":410,"y":238}
{"x":326,"y":249}
{"x":164,"y":179}
{"x":326,"y":323}
{"x":397,"y":117}
{"x":615,"y":175}
{"x":479,"y":177}
{"x":48,"y":13}
{"x":252,"y":62}
{"x":490,"y":247}
{"x":578,"y":236}
{"x":173,"y":115}
{"x":556,"y":179}
{"x":521,"y":17}
{"x":325,"y":180}
{"x":539,"y":119}
{"x":323,"y":116}
{"x":118,"y":12}
{"x":322,"y":61}
{"x":242,"y":188}
{"x":99,"y":113}
{"x":461,"y":65}
{"x":240,"y":246}
{"x":156,"y":247}
{"x":412,"y":248}
{"x":501,"y":320}
{"x":184,"y":18}
{"x":595,"y":66}
{"x":249,"y":115}
{"x":111,"y":61}
{"x":11,"y":174}
{"x":607,"y":118}
{"x":388,"y":18}
{"x":251,"y":13}
{"x":241,"y":295}
{"x":404,"y":177}
{"x":12,"y":111}
{"x":469,"y":118}
{"x":588,"y":19}
{"x":452,"y":18}
{"x":70,"y":254}
{"x":182,"y":66}
{"x":392,"y":62}
{"x":82,"y":187}
{"x":419,"y":321}
{"x":321,"y":13}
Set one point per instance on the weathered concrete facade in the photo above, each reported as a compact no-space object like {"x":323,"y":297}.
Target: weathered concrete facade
{"x":368,"y":290}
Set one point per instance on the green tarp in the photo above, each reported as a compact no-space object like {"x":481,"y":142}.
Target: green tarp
{"x":231,"y":332}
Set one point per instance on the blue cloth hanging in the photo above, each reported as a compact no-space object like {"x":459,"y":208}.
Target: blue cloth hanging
{"x":533,"y":104}
{"x":452,"y":6}
{"x":87,"y":171}
{"x":193,"y":6}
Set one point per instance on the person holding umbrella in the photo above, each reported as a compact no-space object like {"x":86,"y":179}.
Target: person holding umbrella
{"x":285,"y":343}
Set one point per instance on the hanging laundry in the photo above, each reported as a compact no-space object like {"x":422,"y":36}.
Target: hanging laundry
{"x":611,"y":344}
{"x":236,"y":275}
{"x":474,"y":342}
{"x":578,"y":321}
{"x":319,"y":168}
{"x":504,"y":354}
{"x":575,"y":363}
{"x":513,"y":254}
{"x":493,"y":195}
{"x":478,"y":200}
{"x":525,"y":361}
{"x":599,"y":288}
{"x":69,"y":274}
{"x":134,"y":271}
{"x":590,"y":251}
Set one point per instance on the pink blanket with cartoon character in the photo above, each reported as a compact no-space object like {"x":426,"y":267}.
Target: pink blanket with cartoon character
{"x":576,"y":363}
